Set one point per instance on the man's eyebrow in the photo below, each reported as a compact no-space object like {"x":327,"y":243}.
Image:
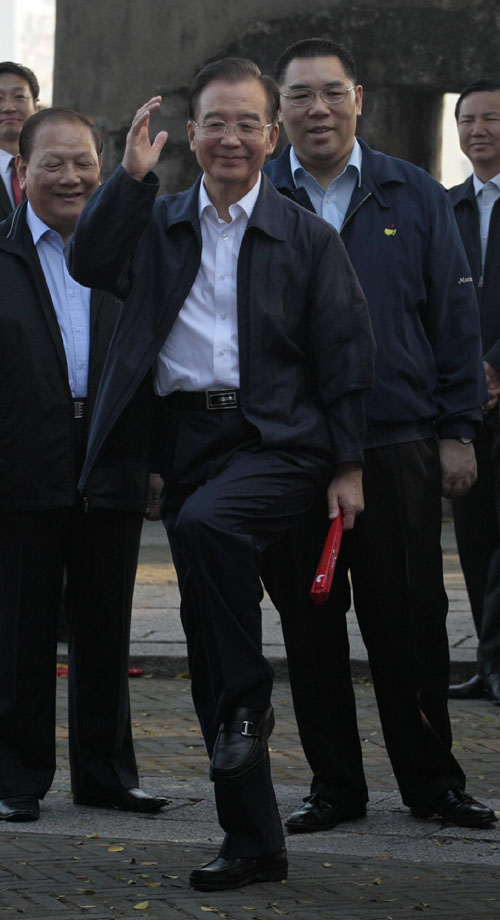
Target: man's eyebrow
{"x":254,"y":115}
{"x":308,"y":85}
{"x":480,"y":114}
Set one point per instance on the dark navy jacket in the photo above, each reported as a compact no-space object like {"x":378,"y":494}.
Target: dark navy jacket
{"x":487,"y":282}
{"x":304,"y":336}
{"x":403,"y":242}
{"x":37,"y":462}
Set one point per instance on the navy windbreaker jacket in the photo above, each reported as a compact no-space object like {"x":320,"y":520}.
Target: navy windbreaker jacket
{"x":405,"y":247}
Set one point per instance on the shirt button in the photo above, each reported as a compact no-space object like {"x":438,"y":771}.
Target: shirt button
{"x":220,"y":353}
{"x":223,"y":315}
{"x":221,"y":277}
{"x":225,"y":236}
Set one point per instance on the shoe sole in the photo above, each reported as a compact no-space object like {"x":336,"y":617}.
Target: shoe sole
{"x":302,"y":829}
{"x":20,"y":818}
{"x":423,"y":815}
{"x":271,"y":875}
{"x":109,"y":805}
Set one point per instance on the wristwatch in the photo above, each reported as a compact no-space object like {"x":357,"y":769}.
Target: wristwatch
{"x":464,"y":440}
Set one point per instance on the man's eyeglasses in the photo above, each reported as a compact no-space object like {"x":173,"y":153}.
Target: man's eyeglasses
{"x":251,"y":130}
{"x":304,"y":95}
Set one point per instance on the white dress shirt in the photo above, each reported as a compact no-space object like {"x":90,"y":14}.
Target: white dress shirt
{"x":6,"y":174}
{"x":71,"y":301}
{"x":486,"y":195}
{"x":331,"y":203}
{"x":201,"y":351}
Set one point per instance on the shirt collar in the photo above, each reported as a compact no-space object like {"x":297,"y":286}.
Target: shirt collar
{"x":5,"y":158}
{"x":354,"y":161}
{"x":246,"y":204}
{"x":478,"y":185}
{"x":39,"y":228}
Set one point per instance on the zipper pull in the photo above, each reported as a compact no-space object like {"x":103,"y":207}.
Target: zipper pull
{"x":480,"y":282}
{"x":85,"y":503}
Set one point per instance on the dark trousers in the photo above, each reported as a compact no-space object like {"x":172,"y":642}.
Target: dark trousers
{"x":477,"y":528}
{"x":394,"y":559}
{"x":99,"y":552}
{"x":225,"y":501}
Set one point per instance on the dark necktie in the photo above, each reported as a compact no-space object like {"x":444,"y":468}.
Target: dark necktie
{"x":16,"y":188}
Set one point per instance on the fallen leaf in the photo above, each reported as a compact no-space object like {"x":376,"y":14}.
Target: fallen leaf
{"x":142,"y":905}
{"x":328,"y":865}
{"x":115,"y":849}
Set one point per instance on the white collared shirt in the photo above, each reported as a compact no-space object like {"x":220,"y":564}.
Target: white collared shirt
{"x":331,"y":203}
{"x":71,"y":301}
{"x":201,"y":351}
{"x":486,"y":195}
{"x":6,"y":174}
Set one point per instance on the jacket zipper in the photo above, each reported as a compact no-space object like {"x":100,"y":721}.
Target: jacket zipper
{"x":348,"y":218}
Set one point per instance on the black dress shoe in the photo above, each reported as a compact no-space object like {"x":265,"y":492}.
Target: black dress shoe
{"x":457,"y":807}
{"x":125,"y":800}
{"x":241,"y":744}
{"x":234,"y":873}
{"x":492,"y":687}
{"x":20,"y":808}
{"x":319,"y":815}
{"x":472,"y":689}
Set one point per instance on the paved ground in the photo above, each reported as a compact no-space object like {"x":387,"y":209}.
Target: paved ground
{"x":80,"y":861}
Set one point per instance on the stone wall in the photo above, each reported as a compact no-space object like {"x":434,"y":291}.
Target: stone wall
{"x":111,"y":56}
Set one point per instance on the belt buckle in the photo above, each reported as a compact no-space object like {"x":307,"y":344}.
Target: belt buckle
{"x":248,"y":729}
{"x":221,"y":399}
{"x":78,"y":408}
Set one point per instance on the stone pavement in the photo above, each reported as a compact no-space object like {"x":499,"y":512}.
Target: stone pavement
{"x":79,"y":861}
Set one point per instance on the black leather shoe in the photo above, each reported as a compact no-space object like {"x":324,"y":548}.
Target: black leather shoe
{"x":241,"y":744}
{"x":457,"y":807}
{"x":20,"y":808}
{"x":319,"y":815}
{"x":234,"y":873}
{"x":492,"y":687}
{"x":126,"y":800}
{"x":472,"y":689}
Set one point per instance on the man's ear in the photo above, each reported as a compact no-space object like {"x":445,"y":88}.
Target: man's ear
{"x":191,"y":135}
{"x":21,"y":167}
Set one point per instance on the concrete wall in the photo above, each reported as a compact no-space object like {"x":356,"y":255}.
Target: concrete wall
{"x":111,"y":55}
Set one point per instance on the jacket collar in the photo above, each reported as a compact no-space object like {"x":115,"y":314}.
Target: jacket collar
{"x":463,"y":192}
{"x":268,"y":214}
{"x":377,"y":171}
{"x":15,"y":228}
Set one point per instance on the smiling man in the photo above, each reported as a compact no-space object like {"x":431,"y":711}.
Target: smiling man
{"x":54,"y":336}
{"x":399,"y":231}
{"x":249,"y":311}
{"x":19,"y":93}
{"x":477,"y":515}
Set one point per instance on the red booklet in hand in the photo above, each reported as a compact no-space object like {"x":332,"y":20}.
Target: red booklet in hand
{"x":324,"y":574}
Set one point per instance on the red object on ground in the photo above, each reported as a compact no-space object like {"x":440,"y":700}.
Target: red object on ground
{"x":135,"y":672}
{"x":322,"y":583}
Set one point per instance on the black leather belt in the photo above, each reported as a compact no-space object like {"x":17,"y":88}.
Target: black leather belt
{"x":203,"y":399}
{"x":79,"y":408}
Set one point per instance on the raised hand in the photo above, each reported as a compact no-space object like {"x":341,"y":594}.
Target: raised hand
{"x":141,"y":156}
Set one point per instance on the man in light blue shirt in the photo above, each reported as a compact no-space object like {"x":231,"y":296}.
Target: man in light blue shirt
{"x":54,"y":336}
{"x":477,"y":514}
